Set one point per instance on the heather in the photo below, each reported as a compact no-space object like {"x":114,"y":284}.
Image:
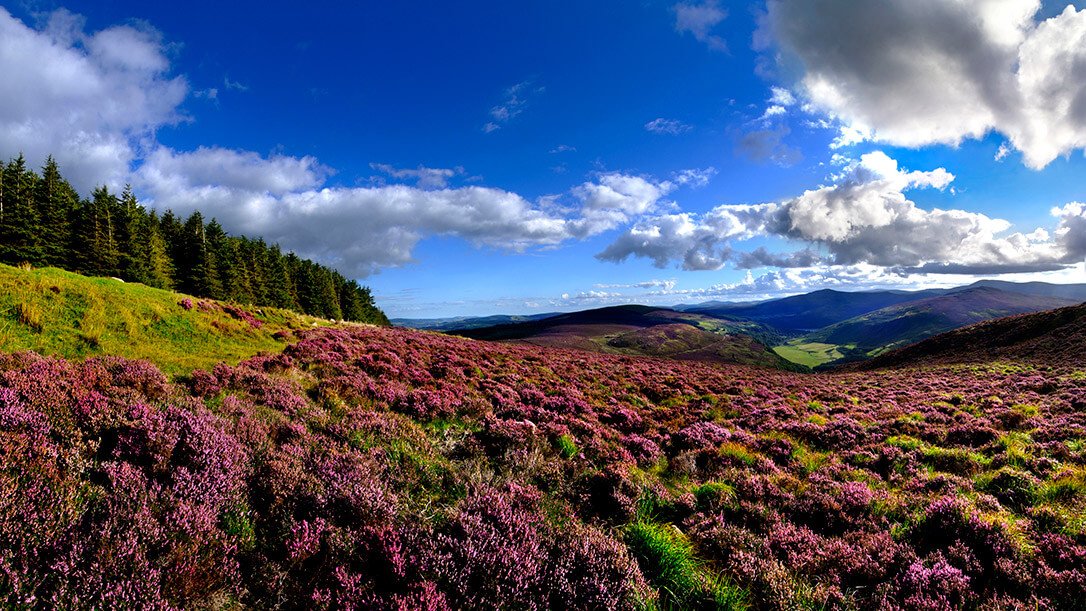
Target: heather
{"x":366,"y":467}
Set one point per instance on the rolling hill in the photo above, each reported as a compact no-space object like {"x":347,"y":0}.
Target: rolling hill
{"x":1054,"y":338}
{"x":60,"y":313}
{"x":903,"y":324}
{"x":646,"y":331}
{"x":815,"y":310}
{"x":457,"y":323}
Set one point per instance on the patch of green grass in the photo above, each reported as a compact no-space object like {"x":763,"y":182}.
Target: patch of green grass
{"x":810,"y":354}
{"x":59,"y":313}
{"x":1016,"y":448}
{"x":566,"y":446}
{"x":669,"y":561}
{"x":905,"y":442}
{"x":1067,"y":487}
{"x":738,"y":453}
{"x":1026,"y":410}
{"x":810,"y":460}
{"x":953,"y":460}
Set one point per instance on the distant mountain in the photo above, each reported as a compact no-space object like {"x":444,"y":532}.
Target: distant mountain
{"x":1054,"y":337}
{"x":899,"y":325}
{"x":645,"y":331}
{"x":812,"y":311}
{"x":1074,"y":292}
{"x":467,"y":322}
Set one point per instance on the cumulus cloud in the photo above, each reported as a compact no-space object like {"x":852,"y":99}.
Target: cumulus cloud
{"x":670,"y":127}
{"x":361,"y":230}
{"x":864,"y":217}
{"x":920,"y":72}
{"x":89,"y":99}
{"x":699,"y":20}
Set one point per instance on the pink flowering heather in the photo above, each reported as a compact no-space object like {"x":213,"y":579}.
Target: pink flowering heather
{"x":382,"y":468}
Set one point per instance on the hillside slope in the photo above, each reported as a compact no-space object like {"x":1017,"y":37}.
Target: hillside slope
{"x":468,"y":322}
{"x":377,"y":468}
{"x":55,"y":312}
{"x":1054,"y":338}
{"x":907,"y":323}
{"x":815,"y":310}
{"x":637,"y":330}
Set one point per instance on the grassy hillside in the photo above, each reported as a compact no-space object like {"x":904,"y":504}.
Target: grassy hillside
{"x":55,"y":312}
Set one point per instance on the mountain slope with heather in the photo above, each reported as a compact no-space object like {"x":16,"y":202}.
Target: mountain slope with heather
{"x":903,"y":324}
{"x":368,"y":467}
{"x":1054,"y":338}
{"x":646,"y":331}
{"x":815,"y":310}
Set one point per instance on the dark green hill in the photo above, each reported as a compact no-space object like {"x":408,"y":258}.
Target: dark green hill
{"x":900,"y":325}
{"x":1054,"y":338}
{"x":646,"y":331}
{"x":804,"y":313}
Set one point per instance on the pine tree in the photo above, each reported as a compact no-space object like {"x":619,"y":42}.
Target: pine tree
{"x":56,"y":202}
{"x":94,"y":246}
{"x":132,"y":255}
{"x":20,"y":228}
{"x":158,"y":265}
{"x":200,"y":273}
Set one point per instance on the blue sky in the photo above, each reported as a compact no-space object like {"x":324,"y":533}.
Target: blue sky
{"x":473,"y":158}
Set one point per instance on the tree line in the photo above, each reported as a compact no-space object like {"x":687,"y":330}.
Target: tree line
{"x":44,"y":222}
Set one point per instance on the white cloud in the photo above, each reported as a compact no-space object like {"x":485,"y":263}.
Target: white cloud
{"x":671,"y":127}
{"x":665,"y":285}
{"x":864,"y":217}
{"x":89,"y":99}
{"x":563,"y":148}
{"x":781,"y":97}
{"x":361,"y":230}
{"x":699,"y":20}
{"x":694,"y":177}
{"x":920,"y":72}
{"x":425,"y":178}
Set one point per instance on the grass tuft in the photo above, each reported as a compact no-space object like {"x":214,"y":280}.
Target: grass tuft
{"x":669,"y":561}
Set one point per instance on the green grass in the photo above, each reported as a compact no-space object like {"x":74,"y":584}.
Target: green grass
{"x":809,"y":354}
{"x":59,"y":313}
{"x":669,"y":561}
{"x":566,"y":446}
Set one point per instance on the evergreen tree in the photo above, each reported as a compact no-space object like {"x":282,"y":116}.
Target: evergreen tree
{"x":20,"y":227}
{"x":42,"y":220}
{"x":158,"y":266}
{"x":56,"y":202}
{"x":94,"y":248}
{"x":132,"y":255}
{"x":200,"y":274}
{"x":279,"y":285}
